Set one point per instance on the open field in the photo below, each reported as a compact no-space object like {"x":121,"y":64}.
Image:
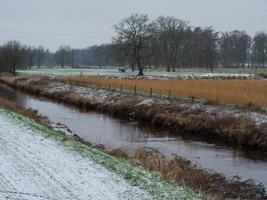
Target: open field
{"x":43,"y":164}
{"x":180,"y":73}
{"x":240,"y":92}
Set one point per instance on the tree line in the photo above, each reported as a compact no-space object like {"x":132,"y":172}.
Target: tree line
{"x":172,"y":43}
{"x":139,"y":42}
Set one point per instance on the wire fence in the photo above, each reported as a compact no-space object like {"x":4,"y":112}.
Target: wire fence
{"x":237,"y":92}
{"x":121,"y":88}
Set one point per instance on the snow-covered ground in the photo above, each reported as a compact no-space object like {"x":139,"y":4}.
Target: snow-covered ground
{"x":149,"y":74}
{"x":36,"y":165}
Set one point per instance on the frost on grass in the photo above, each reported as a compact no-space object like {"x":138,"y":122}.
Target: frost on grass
{"x":114,"y":72}
{"x":38,"y":163}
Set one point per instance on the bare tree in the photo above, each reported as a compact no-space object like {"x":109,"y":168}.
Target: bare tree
{"x":72,"y":58}
{"x":40,"y":56}
{"x":170,"y":34}
{"x":260,"y":49}
{"x":234,"y":48}
{"x":134,"y":36}
{"x":13,"y":55}
{"x":63,"y":55}
{"x":209,"y":44}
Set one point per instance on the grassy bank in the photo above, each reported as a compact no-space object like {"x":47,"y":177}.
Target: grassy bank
{"x":154,"y":184}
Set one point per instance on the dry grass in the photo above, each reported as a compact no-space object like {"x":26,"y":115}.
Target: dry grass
{"x":209,"y":184}
{"x":25,"y":112}
{"x":240,"y":92}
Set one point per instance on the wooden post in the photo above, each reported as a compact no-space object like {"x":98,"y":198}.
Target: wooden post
{"x":135,"y":90}
{"x":121,"y":89}
{"x":109,"y":86}
{"x":169,"y":94}
{"x":150,"y":92}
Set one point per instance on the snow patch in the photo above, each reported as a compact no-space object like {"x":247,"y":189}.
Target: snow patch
{"x":146,"y":102}
{"x":35,"y":167}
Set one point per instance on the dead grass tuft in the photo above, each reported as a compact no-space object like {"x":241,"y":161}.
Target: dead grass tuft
{"x":209,"y":184}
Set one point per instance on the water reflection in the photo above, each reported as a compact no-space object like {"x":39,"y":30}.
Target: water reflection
{"x":113,"y":133}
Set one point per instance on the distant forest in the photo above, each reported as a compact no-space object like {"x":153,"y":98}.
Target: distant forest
{"x":165,"y":42}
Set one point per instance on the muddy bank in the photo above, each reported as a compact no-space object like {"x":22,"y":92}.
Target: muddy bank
{"x":241,"y":128}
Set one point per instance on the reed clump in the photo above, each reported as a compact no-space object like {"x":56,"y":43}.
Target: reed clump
{"x":209,"y":184}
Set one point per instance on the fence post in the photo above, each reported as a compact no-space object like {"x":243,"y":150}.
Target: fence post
{"x":217,"y":99}
{"x":134,"y":89}
{"x":121,"y":88}
{"x":169,"y":94}
{"x":150,"y":92}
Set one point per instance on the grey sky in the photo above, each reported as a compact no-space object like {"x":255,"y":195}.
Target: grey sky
{"x":81,"y":23}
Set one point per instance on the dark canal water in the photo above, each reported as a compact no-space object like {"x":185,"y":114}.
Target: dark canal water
{"x":98,"y":128}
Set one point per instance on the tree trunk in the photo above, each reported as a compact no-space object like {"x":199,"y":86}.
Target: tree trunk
{"x":173,"y":68}
{"x":141,"y":73}
{"x":133,"y":66}
{"x":13,"y":70}
{"x":140,"y":68}
{"x":211,"y":69}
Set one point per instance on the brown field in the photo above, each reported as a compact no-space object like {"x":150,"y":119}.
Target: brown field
{"x":240,"y":92}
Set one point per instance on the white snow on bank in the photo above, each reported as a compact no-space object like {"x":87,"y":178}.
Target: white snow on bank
{"x":99,"y":95}
{"x":221,"y":111}
{"x":146,"y":102}
{"x":33,"y":166}
{"x":148,"y":74}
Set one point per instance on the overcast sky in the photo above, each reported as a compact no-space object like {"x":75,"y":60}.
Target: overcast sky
{"x":81,"y":23}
